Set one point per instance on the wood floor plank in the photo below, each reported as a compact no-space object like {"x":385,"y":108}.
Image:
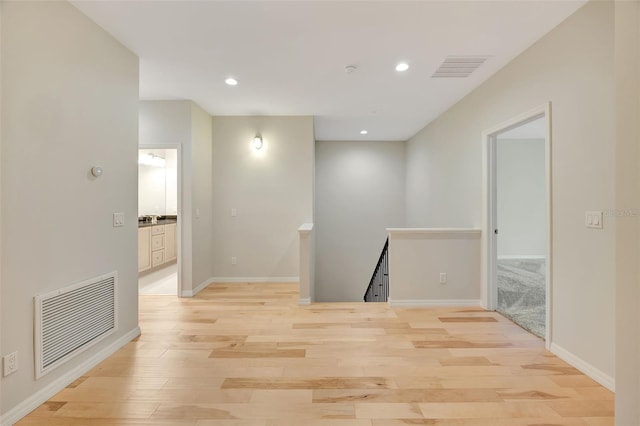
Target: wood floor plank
{"x":276,"y":353}
{"x":447,"y":410}
{"x":307,"y":383}
{"x":467,"y":319}
{"x":245,"y":354}
{"x":459,"y":344}
{"x":407,"y":395}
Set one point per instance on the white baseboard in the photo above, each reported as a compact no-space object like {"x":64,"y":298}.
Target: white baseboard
{"x":34,"y":401}
{"x":433,"y":303}
{"x":304,"y":301}
{"x":198,"y":289}
{"x":588,"y":369}
{"x":255,"y":279}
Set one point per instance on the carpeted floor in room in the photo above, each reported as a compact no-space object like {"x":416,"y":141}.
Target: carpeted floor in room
{"x":521,"y":293}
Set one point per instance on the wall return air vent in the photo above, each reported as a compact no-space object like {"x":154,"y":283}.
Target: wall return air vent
{"x":459,"y":66}
{"x":72,"y":319}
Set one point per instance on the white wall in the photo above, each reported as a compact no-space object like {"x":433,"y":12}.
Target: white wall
{"x":1,"y":142}
{"x":573,"y":68}
{"x":202,"y":192}
{"x":271,"y":190}
{"x":307,"y":263}
{"x":169,"y":123}
{"x":417,"y":257}
{"x":627,"y":348}
{"x":359,"y":194}
{"x":521,"y":198}
{"x":185,"y":124}
{"x":165,"y":123}
{"x":69,"y":102}
{"x":171,"y":167}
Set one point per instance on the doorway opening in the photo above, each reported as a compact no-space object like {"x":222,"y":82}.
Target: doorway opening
{"x":517,"y":226}
{"x":158,"y":221}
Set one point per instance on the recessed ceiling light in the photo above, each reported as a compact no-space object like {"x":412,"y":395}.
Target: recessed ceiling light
{"x":402,"y":66}
{"x":363,"y":132}
{"x":231,"y":81}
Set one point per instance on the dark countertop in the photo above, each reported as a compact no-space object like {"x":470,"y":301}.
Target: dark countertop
{"x":162,"y":220}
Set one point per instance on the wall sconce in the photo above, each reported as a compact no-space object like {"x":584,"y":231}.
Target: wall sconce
{"x":257,"y":142}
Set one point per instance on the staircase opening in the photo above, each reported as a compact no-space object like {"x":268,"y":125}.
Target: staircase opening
{"x":378,"y":290}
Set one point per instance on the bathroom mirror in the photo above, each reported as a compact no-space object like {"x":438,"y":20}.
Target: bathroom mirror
{"x":157,"y":182}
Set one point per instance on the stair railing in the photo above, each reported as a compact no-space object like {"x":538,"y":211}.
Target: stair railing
{"x":378,"y":290}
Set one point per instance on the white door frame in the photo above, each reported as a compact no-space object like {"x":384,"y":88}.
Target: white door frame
{"x":180,"y":220}
{"x":489,"y":289}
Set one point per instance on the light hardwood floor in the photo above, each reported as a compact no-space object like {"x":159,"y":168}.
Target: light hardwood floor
{"x":246,"y":354}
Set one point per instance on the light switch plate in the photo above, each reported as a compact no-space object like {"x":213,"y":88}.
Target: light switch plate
{"x":593,"y":219}
{"x":118,"y":219}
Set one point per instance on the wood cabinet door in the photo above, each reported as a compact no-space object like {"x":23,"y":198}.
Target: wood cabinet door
{"x":170,"y":247}
{"x":144,"y":249}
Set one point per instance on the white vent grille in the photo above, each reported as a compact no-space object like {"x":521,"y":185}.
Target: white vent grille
{"x":72,"y":319}
{"x":459,"y":66}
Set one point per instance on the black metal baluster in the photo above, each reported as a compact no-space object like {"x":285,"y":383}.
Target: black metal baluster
{"x":378,"y":289}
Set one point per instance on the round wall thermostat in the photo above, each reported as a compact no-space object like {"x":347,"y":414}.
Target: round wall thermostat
{"x":96,"y":171}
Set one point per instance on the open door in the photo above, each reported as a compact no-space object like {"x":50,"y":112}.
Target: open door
{"x":517,"y":224}
{"x":158,"y":221}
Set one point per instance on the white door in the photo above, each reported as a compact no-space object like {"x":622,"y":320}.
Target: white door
{"x":517,"y":228}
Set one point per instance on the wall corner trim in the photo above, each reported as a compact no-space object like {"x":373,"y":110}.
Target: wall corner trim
{"x":198,"y":289}
{"x":471,"y":233}
{"x":588,"y":369}
{"x":305,"y":228}
{"x":34,"y":401}
{"x":406,"y":303}
{"x":304,"y":301}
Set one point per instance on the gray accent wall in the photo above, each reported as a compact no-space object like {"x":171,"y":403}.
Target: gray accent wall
{"x":521,"y":197}
{"x":359,"y":193}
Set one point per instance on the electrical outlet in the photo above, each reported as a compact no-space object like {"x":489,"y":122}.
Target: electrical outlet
{"x":234,"y":260}
{"x":10,"y":363}
{"x":443,"y":277}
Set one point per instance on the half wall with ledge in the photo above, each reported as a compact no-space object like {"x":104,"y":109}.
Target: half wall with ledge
{"x":434,"y":267}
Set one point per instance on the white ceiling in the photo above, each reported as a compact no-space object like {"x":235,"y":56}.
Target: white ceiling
{"x":289,"y":57}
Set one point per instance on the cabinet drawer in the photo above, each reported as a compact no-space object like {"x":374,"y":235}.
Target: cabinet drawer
{"x":157,"y":258}
{"x":157,"y":242}
{"x":157,"y":230}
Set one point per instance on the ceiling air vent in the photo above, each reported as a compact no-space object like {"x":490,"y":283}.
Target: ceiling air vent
{"x":459,"y":66}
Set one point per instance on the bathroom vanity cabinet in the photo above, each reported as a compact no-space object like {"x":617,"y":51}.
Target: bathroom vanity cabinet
{"x":156,"y":245}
